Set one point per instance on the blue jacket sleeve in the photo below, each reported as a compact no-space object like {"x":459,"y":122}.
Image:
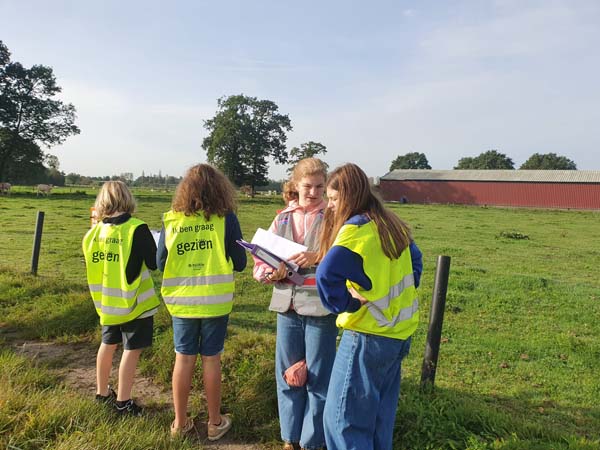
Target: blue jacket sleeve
{"x":233,"y":250}
{"x":161,"y":251}
{"x":338,"y":265}
{"x":417,"y":262}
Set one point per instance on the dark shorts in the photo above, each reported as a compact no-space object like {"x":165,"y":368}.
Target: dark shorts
{"x":134,"y":335}
{"x":200,"y":336}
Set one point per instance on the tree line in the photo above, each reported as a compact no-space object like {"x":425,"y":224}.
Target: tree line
{"x":489,"y":160}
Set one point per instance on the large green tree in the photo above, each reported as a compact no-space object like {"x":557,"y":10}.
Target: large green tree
{"x":243,"y":134}
{"x":306,"y":150}
{"x":30,"y":114}
{"x":548,"y":161}
{"x":26,"y":164}
{"x":413,"y":160}
{"x":492,"y":159}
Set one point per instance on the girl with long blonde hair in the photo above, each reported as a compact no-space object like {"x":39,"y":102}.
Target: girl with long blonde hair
{"x":306,"y":332}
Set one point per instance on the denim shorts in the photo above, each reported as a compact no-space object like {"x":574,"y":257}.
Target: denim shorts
{"x":134,"y":335}
{"x":200,"y":336}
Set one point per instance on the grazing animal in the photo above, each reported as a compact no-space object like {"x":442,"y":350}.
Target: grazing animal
{"x":5,"y":188}
{"x":247,"y":190}
{"x":44,"y":189}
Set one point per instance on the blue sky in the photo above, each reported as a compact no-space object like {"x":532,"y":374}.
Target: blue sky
{"x":370,"y":80}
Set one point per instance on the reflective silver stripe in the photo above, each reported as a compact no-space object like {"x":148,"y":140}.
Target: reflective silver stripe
{"x":199,"y":300}
{"x":119,"y":311}
{"x":197,"y":281}
{"x":112,"y":292}
{"x":146,"y":295}
{"x":115,"y":292}
{"x":148,"y":313}
{"x":395,"y":291}
{"x":403,"y":314}
{"x":116,"y":311}
{"x":98,"y":287}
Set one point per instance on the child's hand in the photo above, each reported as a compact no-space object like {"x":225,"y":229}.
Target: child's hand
{"x":357,"y":296}
{"x":304,"y":259}
{"x":277,"y":275}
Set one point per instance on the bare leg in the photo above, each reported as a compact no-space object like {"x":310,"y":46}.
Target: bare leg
{"x":182,"y":382}
{"x":211,"y":369}
{"x":127,"y":367}
{"x":103,"y":367}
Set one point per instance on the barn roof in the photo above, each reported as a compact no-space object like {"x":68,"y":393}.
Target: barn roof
{"x":521,"y":176}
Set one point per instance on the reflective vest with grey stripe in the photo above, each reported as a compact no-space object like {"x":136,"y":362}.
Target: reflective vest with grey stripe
{"x":107,"y":248}
{"x":304,"y":299}
{"x":198,"y":277}
{"x":392,"y":309}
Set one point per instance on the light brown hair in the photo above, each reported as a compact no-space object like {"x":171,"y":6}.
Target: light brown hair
{"x":114,"y":196}
{"x":204,"y":188}
{"x":289,"y":192}
{"x":307,"y":167}
{"x":355,"y":196}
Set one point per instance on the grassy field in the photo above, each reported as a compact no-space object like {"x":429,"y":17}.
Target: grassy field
{"x":519,"y":362}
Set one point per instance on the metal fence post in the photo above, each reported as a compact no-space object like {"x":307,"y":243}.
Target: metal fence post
{"x":37,"y":241}
{"x":436,"y":318}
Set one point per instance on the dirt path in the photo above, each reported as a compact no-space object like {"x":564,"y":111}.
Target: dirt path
{"x":76,"y":365}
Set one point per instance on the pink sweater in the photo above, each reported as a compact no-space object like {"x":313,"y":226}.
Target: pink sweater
{"x":301,"y":221}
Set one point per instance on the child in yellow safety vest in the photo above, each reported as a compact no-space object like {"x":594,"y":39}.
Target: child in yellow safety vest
{"x":119,"y":250}
{"x":198,"y":253}
{"x":369,"y":271}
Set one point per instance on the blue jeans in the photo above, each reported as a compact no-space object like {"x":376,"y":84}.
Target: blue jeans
{"x":205,"y":336}
{"x":301,"y":408}
{"x":363,"y":392}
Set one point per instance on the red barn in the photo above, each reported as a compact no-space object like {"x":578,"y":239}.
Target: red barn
{"x":571,"y":189}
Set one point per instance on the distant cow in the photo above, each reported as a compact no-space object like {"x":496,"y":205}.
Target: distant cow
{"x":44,"y":189}
{"x":247,"y":190}
{"x":5,"y":188}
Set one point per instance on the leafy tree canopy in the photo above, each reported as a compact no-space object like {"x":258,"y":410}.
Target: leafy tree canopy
{"x":243,"y":134}
{"x":29,"y":111}
{"x":548,"y":161}
{"x":306,"y":150}
{"x":26,"y":164}
{"x":492,"y":159}
{"x":412,"y":160}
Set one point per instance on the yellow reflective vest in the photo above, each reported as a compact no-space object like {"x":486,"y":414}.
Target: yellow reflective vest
{"x":106,"y":248}
{"x":393,"y":307}
{"x":198,"y":277}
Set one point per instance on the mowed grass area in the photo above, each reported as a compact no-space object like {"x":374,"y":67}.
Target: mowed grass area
{"x":519,"y":362}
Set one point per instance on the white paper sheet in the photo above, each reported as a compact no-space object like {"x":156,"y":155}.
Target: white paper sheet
{"x":155,"y":235}
{"x":282,"y":247}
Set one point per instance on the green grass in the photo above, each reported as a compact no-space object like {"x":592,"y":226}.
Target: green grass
{"x":519,"y":360}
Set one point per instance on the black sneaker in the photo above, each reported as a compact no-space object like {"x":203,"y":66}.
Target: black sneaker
{"x":107,"y":399}
{"x":129,"y":408}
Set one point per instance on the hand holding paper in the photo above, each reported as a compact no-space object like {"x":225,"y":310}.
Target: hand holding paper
{"x":278,"y":274}
{"x":274,"y":261}
{"x":304,"y":259}
{"x":280,"y":246}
